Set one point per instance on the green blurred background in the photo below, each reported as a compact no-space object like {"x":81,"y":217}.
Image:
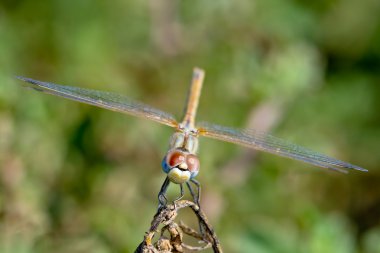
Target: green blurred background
{"x":75,"y":178}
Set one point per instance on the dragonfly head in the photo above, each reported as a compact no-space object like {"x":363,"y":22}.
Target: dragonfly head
{"x":180,"y":165}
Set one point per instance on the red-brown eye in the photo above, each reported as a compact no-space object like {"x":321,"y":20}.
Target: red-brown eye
{"x":175,"y":158}
{"x":192,"y":163}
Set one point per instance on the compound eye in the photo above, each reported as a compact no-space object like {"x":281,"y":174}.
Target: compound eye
{"x":192,"y":163}
{"x":175,"y":158}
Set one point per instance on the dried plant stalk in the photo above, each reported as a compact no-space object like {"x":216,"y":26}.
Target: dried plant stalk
{"x":165,"y":217}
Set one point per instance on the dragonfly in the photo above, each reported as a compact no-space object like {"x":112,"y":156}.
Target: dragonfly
{"x":181,"y":163}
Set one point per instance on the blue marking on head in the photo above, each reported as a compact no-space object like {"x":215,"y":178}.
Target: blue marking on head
{"x":194,"y":174}
{"x":165,"y":166}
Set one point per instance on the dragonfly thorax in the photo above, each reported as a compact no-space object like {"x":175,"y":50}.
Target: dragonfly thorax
{"x":184,"y":140}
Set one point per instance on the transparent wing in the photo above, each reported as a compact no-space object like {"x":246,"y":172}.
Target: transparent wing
{"x":271,"y":144}
{"x":108,"y":100}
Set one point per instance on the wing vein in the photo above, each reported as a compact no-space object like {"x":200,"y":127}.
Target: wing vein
{"x":108,"y":100}
{"x":268,"y":143}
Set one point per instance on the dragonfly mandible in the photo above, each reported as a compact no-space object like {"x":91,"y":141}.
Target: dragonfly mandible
{"x":181,"y":163}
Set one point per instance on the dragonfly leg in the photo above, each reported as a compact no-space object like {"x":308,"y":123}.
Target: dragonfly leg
{"x":162,"y":194}
{"x":196,"y":196}
{"x":192,"y":193}
{"x":191,"y":190}
{"x":182,"y":193}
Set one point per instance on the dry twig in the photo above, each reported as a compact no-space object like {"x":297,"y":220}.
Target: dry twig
{"x":165,"y":216}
